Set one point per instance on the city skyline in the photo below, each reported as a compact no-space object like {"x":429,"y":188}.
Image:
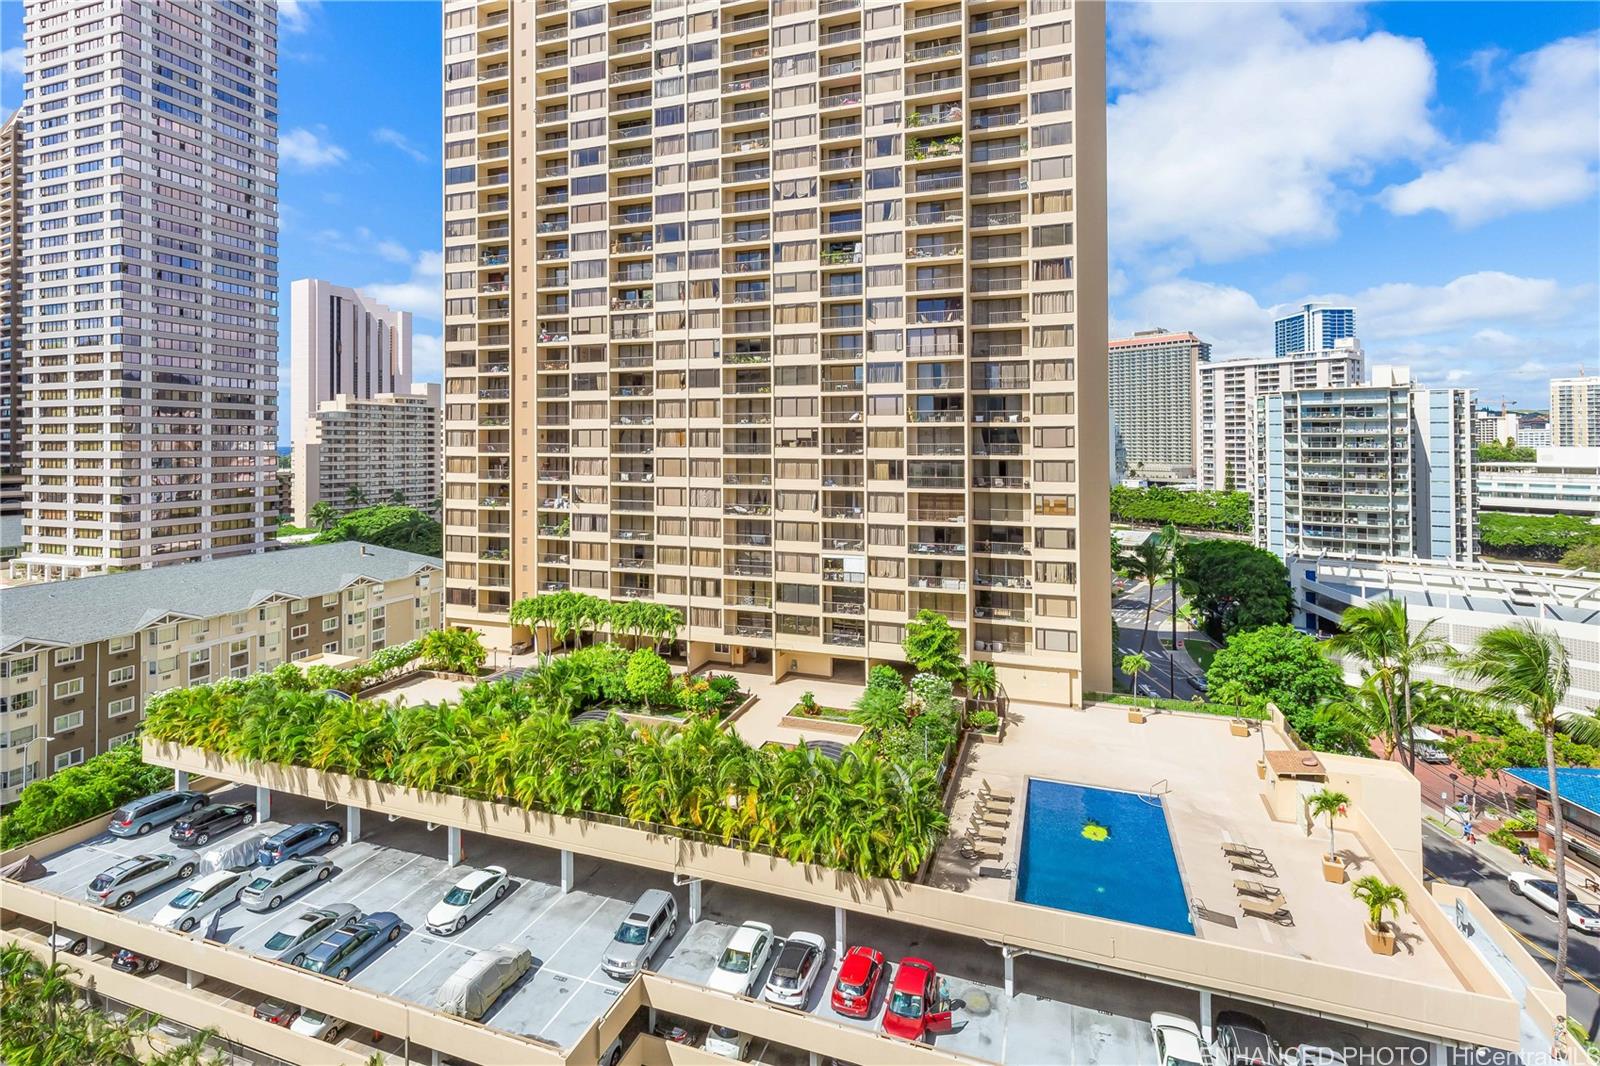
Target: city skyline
{"x":1501,"y":304}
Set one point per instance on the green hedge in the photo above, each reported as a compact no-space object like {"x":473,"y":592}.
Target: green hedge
{"x":1185,"y":509}
{"x":1540,"y":538}
{"x":1177,"y":705}
{"x":94,"y":787}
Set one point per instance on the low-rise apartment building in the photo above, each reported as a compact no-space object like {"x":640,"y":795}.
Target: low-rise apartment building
{"x":1558,"y":481}
{"x":78,"y":659}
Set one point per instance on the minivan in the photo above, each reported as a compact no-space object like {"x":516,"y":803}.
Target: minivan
{"x":142,"y":815}
{"x":651,"y":923}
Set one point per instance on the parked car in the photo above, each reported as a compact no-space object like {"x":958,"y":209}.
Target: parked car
{"x":729,"y":1043}
{"x":69,"y":943}
{"x":857,"y":982}
{"x":742,"y":960}
{"x":1179,"y":1041}
{"x":467,"y":899}
{"x":298,"y":839}
{"x":348,"y":946}
{"x":795,"y":970}
{"x":271,"y":886}
{"x":916,"y":1007}
{"x":650,"y":924}
{"x":318,"y":1026}
{"x":1541,"y":892}
{"x":134,"y":962}
{"x":1312,"y":1055}
{"x":1243,"y":1041}
{"x":197,"y":829}
{"x":1432,"y":753}
{"x":272,"y":1011}
{"x":300,"y":933}
{"x":144,"y":814}
{"x":125,"y":882}
{"x":208,"y":894}
{"x":482,"y":979}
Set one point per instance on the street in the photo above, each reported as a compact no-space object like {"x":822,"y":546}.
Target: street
{"x":1128,"y":610}
{"x":1448,"y":860}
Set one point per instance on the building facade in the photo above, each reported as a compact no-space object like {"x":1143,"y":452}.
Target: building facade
{"x":1312,"y":328}
{"x":1558,"y":481}
{"x":776,"y":313}
{"x":79,"y":659}
{"x":11,"y":316}
{"x":1491,"y":428}
{"x":149,"y":316}
{"x":1575,"y":412}
{"x":1379,"y":469}
{"x":1533,"y":431}
{"x":359,"y":423}
{"x":1154,"y":379}
{"x":386,"y":446}
{"x":1227,"y":401}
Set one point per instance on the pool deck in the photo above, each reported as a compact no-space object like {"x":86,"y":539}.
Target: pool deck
{"x":1212,"y":793}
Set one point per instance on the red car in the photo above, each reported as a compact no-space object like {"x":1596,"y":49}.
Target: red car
{"x":916,"y":1006}
{"x":857,"y":981}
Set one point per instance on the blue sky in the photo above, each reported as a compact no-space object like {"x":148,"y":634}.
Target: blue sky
{"x":1433,"y":163}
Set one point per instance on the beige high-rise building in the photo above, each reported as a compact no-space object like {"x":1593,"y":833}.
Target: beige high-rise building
{"x":1575,"y":412}
{"x":11,"y":316}
{"x":791,"y":315}
{"x":1153,"y":378}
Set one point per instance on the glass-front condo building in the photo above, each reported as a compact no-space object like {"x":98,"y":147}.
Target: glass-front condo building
{"x":778,"y":313}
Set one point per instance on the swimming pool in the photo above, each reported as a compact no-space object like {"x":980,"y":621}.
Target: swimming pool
{"x":1102,"y":852}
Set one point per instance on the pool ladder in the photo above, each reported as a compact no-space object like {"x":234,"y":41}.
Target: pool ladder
{"x":1153,"y":794}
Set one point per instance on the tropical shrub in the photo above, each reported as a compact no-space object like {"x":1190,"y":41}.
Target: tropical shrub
{"x":567,"y":614}
{"x":986,"y":721}
{"x":96,"y":786}
{"x":881,"y":707}
{"x":649,"y":678}
{"x":1179,"y":507}
{"x":453,"y":651}
{"x":402,"y":528}
{"x":933,"y":646}
{"x":1541,"y":538}
{"x":808,"y":703}
{"x":876,"y":812}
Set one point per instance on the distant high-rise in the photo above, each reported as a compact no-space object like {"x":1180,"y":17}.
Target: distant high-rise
{"x":1153,"y":379}
{"x":150,"y":277}
{"x":11,"y":317}
{"x":1575,"y":412}
{"x":358,"y":421}
{"x":1313,"y":328}
{"x":1384,"y":469}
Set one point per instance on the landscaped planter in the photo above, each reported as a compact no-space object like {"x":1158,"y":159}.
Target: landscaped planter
{"x":1239,"y":729}
{"x":1137,"y":717}
{"x":1333,"y":870}
{"x":819,"y":724}
{"x":1381,"y":941}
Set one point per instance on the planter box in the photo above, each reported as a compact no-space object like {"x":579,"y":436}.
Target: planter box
{"x":806,"y":723}
{"x":1333,"y":870}
{"x":1381,"y":941}
{"x":1136,"y":717}
{"x":1261,"y":769}
{"x":1239,"y":729}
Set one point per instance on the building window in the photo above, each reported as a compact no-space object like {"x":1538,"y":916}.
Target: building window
{"x":20,"y":702}
{"x":17,"y":667}
{"x":120,"y":676}
{"x":299,"y":632}
{"x":122,"y":738}
{"x":299,"y":607}
{"x":330,"y":600}
{"x":200,"y":657}
{"x":68,"y":656}
{"x":67,"y":689}
{"x":301,"y":654}
{"x":65,"y":722}
{"x":67,"y":758}
{"x":120,"y":707}
{"x":331,"y":648}
{"x":120,"y":645}
{"x":330,"y":623}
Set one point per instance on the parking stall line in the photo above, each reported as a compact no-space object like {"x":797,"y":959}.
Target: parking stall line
{"x":611,"y":989}
{"x":432,"y":958}
{"x":303,"y":900}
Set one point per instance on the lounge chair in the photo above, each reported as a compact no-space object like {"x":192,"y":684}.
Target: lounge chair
{"x":1230,"y":848}
{"x":1271,"y":910}
{"x":1001,"y":794}
{"x":995,"y":871}
{"x":982,"y":851}
{"x":988,"y":836}
{"x":1255,"y":888}
{"x":991,"y":818}
{"x":1252,"y":864}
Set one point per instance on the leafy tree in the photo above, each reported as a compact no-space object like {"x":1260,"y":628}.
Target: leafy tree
{"x":1495,"y":452}
{"x":1133,"y":665}
{"x":1381,"y":637}
{"x":1147,"y":563}
{"x":1279,"y":664}
{"x":932,"y":645}
{"x":1479,"y":759}
{"x":1525,"y":667}
{"x":322,"y":515}
{"x":1582,"y":557}
{"x":1234,"y":586}
{"x":649,"y":678}
{"x":1540,"y":538}
{"x":96,"y":786}
{"x":1380,"y":897}
{"x":1327,"y":803}
{"x":401,"y":528}
{"x":454,"y":651}
{"x":1180,"y":507}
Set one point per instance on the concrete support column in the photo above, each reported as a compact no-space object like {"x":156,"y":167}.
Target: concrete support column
{"x":180,"y":780}
{"x":452,"y":846}
{"x":651,"y":1020}
{"x":566,"y":871}
{"x":838,"y":934}
{"x":352,"y":824}
{"x":1010,"y":962}
{"x":263,"y":803}
{"x":436,"y":1059}
{"x":1205,"y":1014}
{"x":1439,"y":1055}
{"x":190,"y":978}
{"x":816,"y":1060}
{"x":95,"y":946}
{"x":694,"y":901}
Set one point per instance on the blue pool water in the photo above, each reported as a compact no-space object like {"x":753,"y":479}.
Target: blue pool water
{"x":1130,"y":876}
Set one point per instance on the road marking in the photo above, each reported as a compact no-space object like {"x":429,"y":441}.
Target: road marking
{"x":1590,"y":985}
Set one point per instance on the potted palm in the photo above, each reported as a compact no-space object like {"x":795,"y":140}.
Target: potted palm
{"x":1380,"y":897}
{"x":1133,"y":665}
{"x":1328,"y":803}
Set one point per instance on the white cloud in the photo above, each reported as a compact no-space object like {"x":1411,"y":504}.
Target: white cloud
{"x":427,"y":357}
{"x":1228,"y":317}
{"x":1544,"y":150}
{"x":422,"y":293}
{"x":308,"y":150}
{"x":294,"y":16}
{"x":1489,"y":297}
{"x":11,"y":60}
{"x":396,"y":139}
{"x":393,"y":251}
{"x":1235,"y":125}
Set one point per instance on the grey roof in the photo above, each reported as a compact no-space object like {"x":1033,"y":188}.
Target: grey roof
{"x":10,"y":531}
{"x":81,"y":611}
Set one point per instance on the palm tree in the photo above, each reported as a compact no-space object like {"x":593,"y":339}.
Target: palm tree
{"x":1380,"y":635}
{"x":1133,"y":665}
{"x":322,"y":515}
{"x":1327,"y":803}
{"x":981,"y":681}
{"x":398,"y":497}
{"x":1525,"y":667}
{"x":355,"y":497}
{"x":1147,"y":563}
{"x":1380,"y":897}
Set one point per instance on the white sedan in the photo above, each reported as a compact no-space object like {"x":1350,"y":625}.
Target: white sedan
{"x":739,"y":968}
{"x":318,"y":1026}
{"x":1541,"y":891}
{"x":474,"y":892}
{"x":199,"y":900}
{"x":729,"y":1043}
{"x":1178,"y":1041}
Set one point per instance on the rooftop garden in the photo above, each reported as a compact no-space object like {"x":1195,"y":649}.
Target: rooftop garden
{"x":876,"y":811}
